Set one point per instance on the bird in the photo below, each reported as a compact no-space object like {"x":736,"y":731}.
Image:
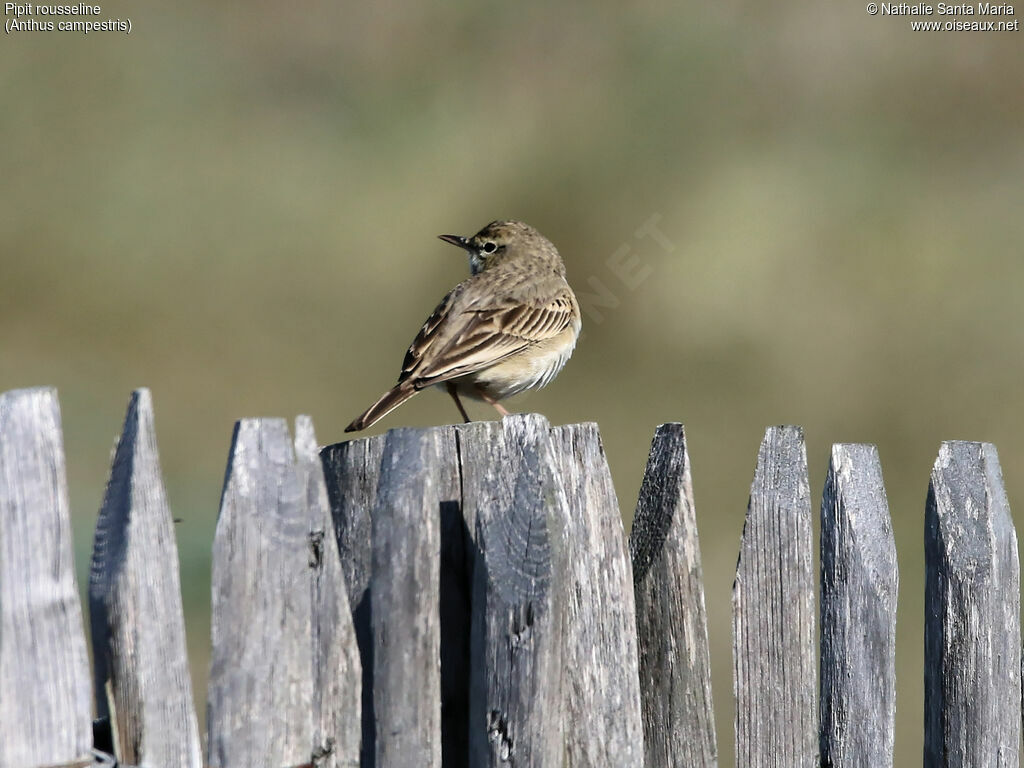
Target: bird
{"x":510,"y":326}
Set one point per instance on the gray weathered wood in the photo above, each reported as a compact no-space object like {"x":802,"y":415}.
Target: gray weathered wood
{"x":675,"y":663}
{"x":261,"y":688}
{"x":45,"y":711}
{"x":601,"y":663}
{"x":859,"y":582}
{"x":972,"y":613}
{"x":774,"y":660}
{"x":337,"y":672}
{"x":512,"y":489}
{"x":457,"y":557}
{"x":406,"y":602}
{"x":138,"y":629}
{"x":352,"y":472}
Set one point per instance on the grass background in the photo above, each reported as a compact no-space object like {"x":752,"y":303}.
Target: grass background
{"x":236,"y":206}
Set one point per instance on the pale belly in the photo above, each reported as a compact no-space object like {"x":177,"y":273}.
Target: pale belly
{"x":531,"y":369}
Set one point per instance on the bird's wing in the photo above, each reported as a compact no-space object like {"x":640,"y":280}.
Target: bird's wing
{"x":458,"y":340}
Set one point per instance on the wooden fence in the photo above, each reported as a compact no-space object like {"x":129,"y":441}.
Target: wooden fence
{"x":466,"y":596}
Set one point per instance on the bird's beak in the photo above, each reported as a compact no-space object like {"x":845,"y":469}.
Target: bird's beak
{"x":459,"y":240}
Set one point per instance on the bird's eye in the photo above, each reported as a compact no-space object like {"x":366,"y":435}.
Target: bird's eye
{"x":490,"y":247}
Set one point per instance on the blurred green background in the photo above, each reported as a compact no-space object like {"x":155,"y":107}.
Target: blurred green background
{"x":236,"y":206}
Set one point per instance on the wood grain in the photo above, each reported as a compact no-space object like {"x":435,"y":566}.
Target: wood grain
{"x":602,"y":683}
{"x":406,"y":602}
{"x":45,"y":707}
{"x":775,"y":669}
{"x":337,"y":671}
{"x":972,"y":679}
{"x":675,"y":662}
{"x":259,"y":705}
{"x":511,"y":488}
{"x":859,"y":582}
{"x":138,"y":627}
{"x":352,"y":473}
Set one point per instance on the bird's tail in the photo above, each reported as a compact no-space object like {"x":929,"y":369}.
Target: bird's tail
{"x":390,"y":400}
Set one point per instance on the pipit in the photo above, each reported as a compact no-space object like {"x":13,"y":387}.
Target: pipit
{"x":509,"y":327}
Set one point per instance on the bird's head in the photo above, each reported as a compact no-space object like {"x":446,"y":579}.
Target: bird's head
{"x":499,"y":242}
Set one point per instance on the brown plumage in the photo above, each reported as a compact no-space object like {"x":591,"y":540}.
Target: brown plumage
{"x":509,"y":327}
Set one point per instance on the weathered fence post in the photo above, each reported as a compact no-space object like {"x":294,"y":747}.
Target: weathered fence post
{"x":45,"y":712}
{"x":457,"y":559}
{"x":406,"y":602}
{"x":261,"y":687}
{"x":773,"y":613}
{"x":485,"y":567}
{"x":138,"y":629}
{"x":601,"y":662}
{"x":337,"y":675}
{"x":511,"y":488}
{"x":352,"y":471}
{"x":972,"y":613}
{"x":515,"y":501}
{"x":859,"y":582}
{"x":675,"y":663}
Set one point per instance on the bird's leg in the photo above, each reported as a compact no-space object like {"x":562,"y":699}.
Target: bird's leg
{"x":491,"y":401}
{"x":458,"y":403}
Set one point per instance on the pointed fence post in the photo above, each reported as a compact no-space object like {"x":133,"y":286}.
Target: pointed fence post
{"x":972,"y":665}
{"x":675,"y":663}
{"x":859,"y":582}
{"x":337,"y":673}
{"x":45,"y":708}
{"x":775,"y":667}
{"x":261,"y":687}
{"x":601,"y":663}
{"x":352,"y":473}
{"x":406,"y":601}
{"x":458,"y":556}
{"x":512,"y":489}
{"x":143,"y":683}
